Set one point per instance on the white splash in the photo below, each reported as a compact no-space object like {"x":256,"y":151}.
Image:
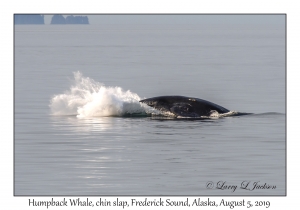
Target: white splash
{"x":88,"y":98}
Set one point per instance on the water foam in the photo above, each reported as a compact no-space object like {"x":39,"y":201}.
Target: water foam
{"x":89,"y":98}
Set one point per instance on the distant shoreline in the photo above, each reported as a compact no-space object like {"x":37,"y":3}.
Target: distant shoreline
{"x":37,"y":19}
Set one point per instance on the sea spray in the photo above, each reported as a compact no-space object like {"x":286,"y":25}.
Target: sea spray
{"x":89,"y":98}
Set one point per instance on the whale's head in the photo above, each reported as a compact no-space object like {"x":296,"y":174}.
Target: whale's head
{"x":184,"y":106}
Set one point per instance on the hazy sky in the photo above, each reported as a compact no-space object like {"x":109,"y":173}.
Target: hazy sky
{"x":181,"y":19}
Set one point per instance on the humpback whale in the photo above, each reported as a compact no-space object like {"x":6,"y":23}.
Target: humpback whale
{"x":182,"y":106}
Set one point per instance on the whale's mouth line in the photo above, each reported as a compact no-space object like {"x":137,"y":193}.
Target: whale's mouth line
{"x":214,"y":115}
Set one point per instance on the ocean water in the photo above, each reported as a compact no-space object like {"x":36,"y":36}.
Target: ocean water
{"x":78,"y":127}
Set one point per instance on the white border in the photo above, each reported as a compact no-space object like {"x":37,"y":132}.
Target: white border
{"x":8,"y":201}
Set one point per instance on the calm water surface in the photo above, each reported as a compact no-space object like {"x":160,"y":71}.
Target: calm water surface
{"x":240,"y":67}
